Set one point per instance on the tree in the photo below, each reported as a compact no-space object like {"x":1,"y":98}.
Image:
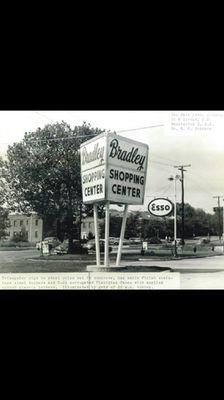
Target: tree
{"x":115,"y":227}
{"x":154,"y":227}
{"x":197,"y":221}
{"x":4,"y":223}
{"x":132,"y":229}
{"x":133,"y":226}
{"x":43,"y":174}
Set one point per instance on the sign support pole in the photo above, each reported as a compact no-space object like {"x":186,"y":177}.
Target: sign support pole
{"x":31,"y":221}
{"x":107,"y":226}
{"x":175,"y":219}
{"x":122,"y":235}
{"x":97,"y":239}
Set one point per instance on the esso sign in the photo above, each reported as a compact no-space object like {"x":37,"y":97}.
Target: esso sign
{"x":160,"y":207}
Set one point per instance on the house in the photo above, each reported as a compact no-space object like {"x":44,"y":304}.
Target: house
{"x":87,"y":227}
{"x":31,"y":226}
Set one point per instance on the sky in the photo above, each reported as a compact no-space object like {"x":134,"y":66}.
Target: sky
{"x":174,"y":138}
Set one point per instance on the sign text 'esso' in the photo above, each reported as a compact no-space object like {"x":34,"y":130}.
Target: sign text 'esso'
{"x":160,"y":207}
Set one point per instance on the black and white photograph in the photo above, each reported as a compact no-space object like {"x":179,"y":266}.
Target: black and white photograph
{"x":108,"y":199}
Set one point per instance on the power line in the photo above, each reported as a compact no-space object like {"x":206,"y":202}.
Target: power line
{"x":80,"y":136}
{"x":158,"y":162}
{"x":42,"y":115}
{"x":196,"y":181}
{"x":164,"y":190}
{"x":127,"y":130}
{"x":163,"y":158}
{"x":118,"y":131}
{"x":138,"y":129}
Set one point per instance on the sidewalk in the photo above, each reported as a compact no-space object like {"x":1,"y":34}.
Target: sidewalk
{"x":184,"y":265}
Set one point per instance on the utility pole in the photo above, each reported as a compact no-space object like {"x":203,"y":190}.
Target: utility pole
{"x":219,"y":214}
{"x":181,"y":168}
{"x":175,"y":178}
{"x":223,"y":223}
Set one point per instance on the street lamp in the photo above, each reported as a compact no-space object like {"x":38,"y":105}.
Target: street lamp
{"x":175,"y":178}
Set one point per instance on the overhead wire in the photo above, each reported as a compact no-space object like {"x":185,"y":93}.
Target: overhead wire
{"x":158,"y":162}
{"x":164,"y":158}
{"x":161,"y":190}
{"x":138,"y":129}
{"x":86,"y":136}
{"x":196,"y":182}
{"x":153,"y":155}
{"x":42,"y":115}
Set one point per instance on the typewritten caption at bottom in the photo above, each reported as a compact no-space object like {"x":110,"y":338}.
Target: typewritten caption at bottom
{"x":91,"y":281}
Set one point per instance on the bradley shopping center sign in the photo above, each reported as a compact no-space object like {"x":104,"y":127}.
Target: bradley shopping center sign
{"x":113,"y":169}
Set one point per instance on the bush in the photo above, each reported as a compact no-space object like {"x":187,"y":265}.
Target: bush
{"x":19,"y":238}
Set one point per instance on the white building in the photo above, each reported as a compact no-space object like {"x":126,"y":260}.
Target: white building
{"x":32,"y":226}
{"x":87,"y":227}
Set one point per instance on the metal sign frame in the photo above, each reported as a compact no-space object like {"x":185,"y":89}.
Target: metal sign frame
{"x":109,"y":201}
{"x":107,"y":164}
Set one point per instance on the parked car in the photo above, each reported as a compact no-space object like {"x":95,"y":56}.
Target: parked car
{"x":113,"y":241}
{"x":178,"y":242}
{"x":126,"y":242}
{"x":78,"y":248}
{"x":135,"y":240}
{"x":154,"y":240}
{"x":90,"y":245}
{"x":203,"y":241}
{"x":53,"y":241}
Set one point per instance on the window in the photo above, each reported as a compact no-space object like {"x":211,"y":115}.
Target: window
{"x":27,"y":221}
{"x":21,"y":222}
{"x":36,"y":222}
{"x":36,"y":234}
{"x":84,"y":225}
{"x":14,"y":223}
{"x":89,"y":225}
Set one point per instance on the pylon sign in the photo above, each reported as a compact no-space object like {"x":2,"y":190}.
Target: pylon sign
{"x":113,"y":168}
{"x":160,"y":207}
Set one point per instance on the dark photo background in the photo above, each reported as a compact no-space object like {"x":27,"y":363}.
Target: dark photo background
{"x":132,"y":321}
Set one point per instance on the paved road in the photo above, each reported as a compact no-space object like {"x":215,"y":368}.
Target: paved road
{"x":186,"y":265}
{"x":199,"y":273}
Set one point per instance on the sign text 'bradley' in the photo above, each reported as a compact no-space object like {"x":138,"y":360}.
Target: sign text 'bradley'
{"x":132,"y":156}
{"x":96,"y":154}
